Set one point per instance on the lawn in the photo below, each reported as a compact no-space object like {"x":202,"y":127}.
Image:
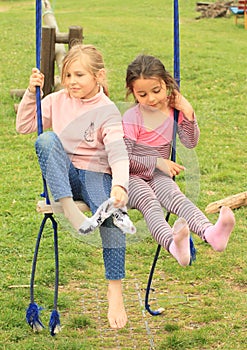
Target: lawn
{"x":205,"y":304}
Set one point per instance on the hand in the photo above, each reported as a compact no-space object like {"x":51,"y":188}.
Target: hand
{"x":120,"y":195}
{"x":181,"y":104}
{"x":169,"y":167}
{"x":36,"y":79}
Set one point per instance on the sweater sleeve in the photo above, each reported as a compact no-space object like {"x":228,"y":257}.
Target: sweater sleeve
{"x":26,"y":119}
{"x":118,"y":159}
{"x":188,"y":132}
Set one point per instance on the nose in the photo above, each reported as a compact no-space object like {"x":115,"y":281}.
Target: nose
{"x":72,"y":80}
{"x":150,"y":98}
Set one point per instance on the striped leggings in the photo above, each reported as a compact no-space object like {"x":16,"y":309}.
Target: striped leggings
{"x":151,"y":196}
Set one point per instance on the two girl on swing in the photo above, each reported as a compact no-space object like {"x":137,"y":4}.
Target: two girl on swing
{"x":96,"y":155}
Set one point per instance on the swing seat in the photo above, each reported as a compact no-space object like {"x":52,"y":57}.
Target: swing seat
{"x":55,"y":207}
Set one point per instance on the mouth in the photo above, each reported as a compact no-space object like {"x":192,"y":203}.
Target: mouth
{"x":153,"y":106}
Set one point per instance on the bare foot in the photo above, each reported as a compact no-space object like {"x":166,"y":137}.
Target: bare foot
{"x":116,"y":312}
{"x":180,"y":246}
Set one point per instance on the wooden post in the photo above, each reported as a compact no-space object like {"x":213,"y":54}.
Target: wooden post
{"x":48,"y":57}
{"x":75,"y":35}
{"x":48,"y":52}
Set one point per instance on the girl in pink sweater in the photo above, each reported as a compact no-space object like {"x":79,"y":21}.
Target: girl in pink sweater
{"x":84,"y":157}
{"x":148,"y":129}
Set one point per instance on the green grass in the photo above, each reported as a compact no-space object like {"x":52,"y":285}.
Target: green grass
{"x":205,"y":304}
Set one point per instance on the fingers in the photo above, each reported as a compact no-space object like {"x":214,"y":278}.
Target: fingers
{"x":174,"y":168}
{"x":36,"y":79}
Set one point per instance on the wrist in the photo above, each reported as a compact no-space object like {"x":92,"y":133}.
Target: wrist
{"x":31,"y":90}
{"x":122,"y":187}
{"x":189,"y":114}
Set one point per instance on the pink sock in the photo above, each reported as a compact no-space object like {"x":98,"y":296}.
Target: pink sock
{"x":218,"y":235}
{"x":180,"y":246}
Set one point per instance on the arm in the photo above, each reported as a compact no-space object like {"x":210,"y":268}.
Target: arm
{"x":26,"y":120}
{"x":117,"y":158}
{"x":188,"y":129}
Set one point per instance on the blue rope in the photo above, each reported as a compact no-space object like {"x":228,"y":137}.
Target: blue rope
{"x":33,"y":310}
{"x":176,"y":67}
{"x":38,"y":57}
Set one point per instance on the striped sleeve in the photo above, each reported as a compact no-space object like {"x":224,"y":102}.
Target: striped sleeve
{"x":189,"y":132}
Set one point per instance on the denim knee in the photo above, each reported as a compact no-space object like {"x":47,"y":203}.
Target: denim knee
{"x":45,"y":141}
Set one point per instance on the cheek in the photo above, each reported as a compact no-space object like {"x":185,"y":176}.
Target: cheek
{"x":138,"y":98}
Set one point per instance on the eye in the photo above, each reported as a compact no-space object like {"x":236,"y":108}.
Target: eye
{"x":156,"y":91}
{"x":143,"y":95}
{"x":68,"y":75}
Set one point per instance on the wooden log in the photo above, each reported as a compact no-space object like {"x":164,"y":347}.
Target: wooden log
{"x":50,"y":21}
{"x":55,"y":207}
{"x":17,"y":92}
{"x":16,"y":105}
{"x":75,"y":33}
{"x":235,"y":201}
{"x":52,"y":50}
{"x":202,"y":3}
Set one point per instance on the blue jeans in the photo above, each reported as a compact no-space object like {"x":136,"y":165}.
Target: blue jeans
{"x":64,"y":180}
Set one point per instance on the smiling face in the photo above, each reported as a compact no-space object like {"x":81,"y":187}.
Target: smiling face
{"x":150,"y":92}
{"x":79,"y":81}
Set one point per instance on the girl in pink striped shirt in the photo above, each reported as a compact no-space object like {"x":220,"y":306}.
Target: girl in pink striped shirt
{"x":148,"y":129}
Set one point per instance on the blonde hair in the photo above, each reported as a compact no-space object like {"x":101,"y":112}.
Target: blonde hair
{"x":93,"y":62}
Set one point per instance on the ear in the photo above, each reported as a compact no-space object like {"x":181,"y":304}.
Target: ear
{"x":101,"y":75}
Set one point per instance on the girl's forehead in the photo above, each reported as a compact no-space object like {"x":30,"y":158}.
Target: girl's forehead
{"x":147,"y":82}
{"x":79,"y":63}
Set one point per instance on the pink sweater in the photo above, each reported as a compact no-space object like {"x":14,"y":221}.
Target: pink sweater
{"x":90,"y":130}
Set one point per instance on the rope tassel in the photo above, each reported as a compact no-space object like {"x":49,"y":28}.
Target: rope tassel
{"x":192,"y":251}
{"x":54,"y":323}
{"x":32,"y":317}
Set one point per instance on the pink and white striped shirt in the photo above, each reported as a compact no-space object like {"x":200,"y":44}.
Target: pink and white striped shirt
{"x":145,"y":146}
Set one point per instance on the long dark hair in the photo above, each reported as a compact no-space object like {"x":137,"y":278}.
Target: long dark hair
{"x":146,"y":67}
